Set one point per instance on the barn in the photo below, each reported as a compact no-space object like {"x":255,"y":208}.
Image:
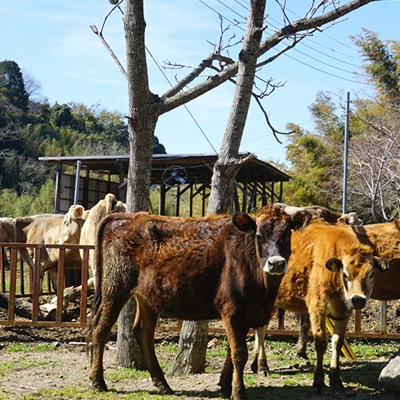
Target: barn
{"x":86,"y":179}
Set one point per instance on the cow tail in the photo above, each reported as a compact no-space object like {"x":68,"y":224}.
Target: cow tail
{"x":98,"y":268}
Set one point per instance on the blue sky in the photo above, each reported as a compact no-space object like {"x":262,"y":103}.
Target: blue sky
{"x":53,"y":42}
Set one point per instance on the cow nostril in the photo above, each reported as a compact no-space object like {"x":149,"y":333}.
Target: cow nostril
{"x":358,"y":302}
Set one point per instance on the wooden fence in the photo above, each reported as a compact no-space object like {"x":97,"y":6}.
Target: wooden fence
{"x":13,"y":284}
{"x":32,"y":290}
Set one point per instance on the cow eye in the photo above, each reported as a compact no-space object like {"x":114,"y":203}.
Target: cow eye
{"x":372,"y":275}
{"x":258,"y":238}
{"x":345,"y":276}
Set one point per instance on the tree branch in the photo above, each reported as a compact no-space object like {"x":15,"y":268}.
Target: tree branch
{"x":274,"y":131}
{"x":114,"y":57}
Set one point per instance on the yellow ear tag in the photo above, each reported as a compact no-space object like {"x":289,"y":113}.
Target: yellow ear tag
{"x":334,"y":267}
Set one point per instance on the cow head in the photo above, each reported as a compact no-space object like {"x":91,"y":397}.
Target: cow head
{"x":358,"y":267}
{"x":72,"y":225}
{"x":350,"y":219}
{"x":272,"y":229}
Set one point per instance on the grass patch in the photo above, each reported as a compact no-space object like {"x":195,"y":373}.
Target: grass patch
{"x":6,"y":368}
{"x":28,"y":347}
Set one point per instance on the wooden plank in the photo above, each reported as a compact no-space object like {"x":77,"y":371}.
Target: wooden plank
{"x":85,"y":276}
{"x":36,"y":285}
{"x":13,"y":278}
{"x":60,"y":285}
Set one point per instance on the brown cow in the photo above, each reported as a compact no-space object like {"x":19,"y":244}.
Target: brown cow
{"x":191,"y":269}
{"x":313,"y":285}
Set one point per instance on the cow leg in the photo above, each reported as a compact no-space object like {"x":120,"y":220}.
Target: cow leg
{"x":337,"y":343}
{"x":318,"y":328}
{"x":301,"y":347}
{"x":225,"y":380}
{"x":100,"y":326}
{"x":231,"y":380}
{"x":144,"y":328}
{"x":259,"y":363}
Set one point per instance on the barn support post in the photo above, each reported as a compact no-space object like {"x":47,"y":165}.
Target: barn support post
{"x":191,"y":200}
{"x":85,"y":191}
{"x":272,"y":191}
{"x":178,"y":201}
{"x":121,"y":186}
{"x":280,"y":191}
{"x":161,"y":207}
{"x":57,"y":195}
{"x":77,"y":179}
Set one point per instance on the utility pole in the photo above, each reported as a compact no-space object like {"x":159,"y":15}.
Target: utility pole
{"x":346,"y":150}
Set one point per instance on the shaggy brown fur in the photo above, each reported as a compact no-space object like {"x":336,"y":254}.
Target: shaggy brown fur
{"x":191,"y":269}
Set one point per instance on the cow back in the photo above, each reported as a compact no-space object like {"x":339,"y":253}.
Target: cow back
{"x":183,"y":266}
{"x":384,"y":238}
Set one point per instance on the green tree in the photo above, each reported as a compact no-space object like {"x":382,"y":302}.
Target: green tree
{"x":314,"y":157}
{"x":381,"y":63}
{"x":12,"y":82}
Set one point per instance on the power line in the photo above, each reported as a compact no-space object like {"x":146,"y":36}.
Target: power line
{"x":186,"y":108}
{"x":297,"y":50}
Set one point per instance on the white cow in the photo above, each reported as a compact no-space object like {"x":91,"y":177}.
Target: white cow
{"x":92,"y":218}
{"x":57,"y":229}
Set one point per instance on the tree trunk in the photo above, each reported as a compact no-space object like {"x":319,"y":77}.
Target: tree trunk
{"x":224,"y":174}
{"x":142,"y":119}
{"x":193,"y":336}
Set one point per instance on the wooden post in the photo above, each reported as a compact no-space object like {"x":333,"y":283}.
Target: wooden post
{"x":383,"y":316}
{"x":13,"y":277}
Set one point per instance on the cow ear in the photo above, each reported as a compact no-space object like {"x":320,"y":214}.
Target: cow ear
{"x":381,"y":264}
{"x":79,"y":211}
{"x":334,"y":264}
{"x":244,"y":222}
{"x":301,"y":219}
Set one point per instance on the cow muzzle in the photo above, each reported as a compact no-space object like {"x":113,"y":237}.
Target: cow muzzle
{"x":358,"y":302}
{"x":275,"y":265}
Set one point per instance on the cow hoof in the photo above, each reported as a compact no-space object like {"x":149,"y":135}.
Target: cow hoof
{"x":163,"y":388}
{"x":259,"y":368}
{"x":319,"y":387}
{"x":336,"y":386}
{"x":302,"y":354}
{"x":254,"y":366}
{"x":100,"y":386}
{"x":226,"y":390}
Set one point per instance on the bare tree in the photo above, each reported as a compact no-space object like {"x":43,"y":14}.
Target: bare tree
{"x":146,"y":107}
{"x":374,"y":166}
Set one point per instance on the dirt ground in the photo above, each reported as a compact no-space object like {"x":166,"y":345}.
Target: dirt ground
{"x":68,"y":365}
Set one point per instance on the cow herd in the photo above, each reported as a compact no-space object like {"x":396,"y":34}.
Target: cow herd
{"x":77,"y":226}
{"x":239,"y":269}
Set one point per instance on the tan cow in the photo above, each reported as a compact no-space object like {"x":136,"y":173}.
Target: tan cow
{"x":330,"y":273}
{"x":384,"y":238}
{"x":57,"y":229}
{"x":16,"y":229}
